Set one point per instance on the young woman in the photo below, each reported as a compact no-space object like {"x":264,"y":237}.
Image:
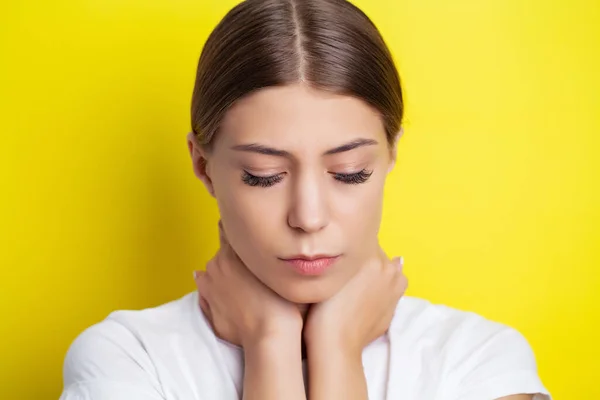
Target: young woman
{"x":296,"y":116}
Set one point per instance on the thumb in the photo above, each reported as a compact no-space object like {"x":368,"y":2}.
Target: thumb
{"x":202,"y":286}
{"x":199,"y":279}
{"x":205,"y":307}
{"x":398,"y":262}
{"x":203,"y":295}
{"x":198,"y":274}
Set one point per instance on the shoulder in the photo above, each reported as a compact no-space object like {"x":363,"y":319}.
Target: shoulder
{"x":476,"y":357}
{"x":443,"y":325}
{"x":121,"y":349}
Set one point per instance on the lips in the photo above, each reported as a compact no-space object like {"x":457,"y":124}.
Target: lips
{"x":311,"y":265}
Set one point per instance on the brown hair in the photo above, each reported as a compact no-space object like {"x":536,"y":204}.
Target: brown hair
{"x":328,"y":44}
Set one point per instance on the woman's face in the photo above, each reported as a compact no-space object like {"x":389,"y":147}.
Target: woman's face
{"x":299,"y":174}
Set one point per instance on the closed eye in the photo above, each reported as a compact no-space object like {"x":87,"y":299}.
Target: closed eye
{"x":262,"y":181}
{"x":354,"y":178}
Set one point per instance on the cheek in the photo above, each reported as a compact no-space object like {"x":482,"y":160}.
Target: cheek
{"x":239,"y":205}
{"x":360,"y":206}
{"x":251,"y":217}
{"x":359,"y":217}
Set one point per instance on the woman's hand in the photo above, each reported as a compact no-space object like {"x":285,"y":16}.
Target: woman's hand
{"x":362,"y":310}
{"x":338,"y":329}
{"x":245,"y":312}
{"x":241,"y":309}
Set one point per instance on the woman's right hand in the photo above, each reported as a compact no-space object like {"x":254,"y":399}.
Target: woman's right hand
{"x":241,"y":309}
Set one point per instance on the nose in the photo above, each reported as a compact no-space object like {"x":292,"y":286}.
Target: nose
{"x":308,"y":210}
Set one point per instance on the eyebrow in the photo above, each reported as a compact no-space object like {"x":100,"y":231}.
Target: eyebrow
{"x":270,"y":151}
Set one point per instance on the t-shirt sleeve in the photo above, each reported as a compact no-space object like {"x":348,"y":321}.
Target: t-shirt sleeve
{"x":494,"y":361}
{"x":107,"y":362}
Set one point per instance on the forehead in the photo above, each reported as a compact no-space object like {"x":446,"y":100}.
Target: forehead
{"x":299,"y":117}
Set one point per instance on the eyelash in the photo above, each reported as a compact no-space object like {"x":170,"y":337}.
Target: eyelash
{"x":267,"y":181}
{"x":355,"y":178}
{"x":262,"y":181}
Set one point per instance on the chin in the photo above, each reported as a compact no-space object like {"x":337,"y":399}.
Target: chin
{"x":306,"y":292}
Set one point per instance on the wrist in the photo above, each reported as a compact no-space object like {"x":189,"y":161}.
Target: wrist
{"x":273,"y":343}
{"x":329,"y":347}
{"x":274,"y":332}
{"x":322,"y":338}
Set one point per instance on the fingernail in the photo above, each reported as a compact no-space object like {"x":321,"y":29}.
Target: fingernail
{"x":195,"y":274}
{"x":401,"y":262}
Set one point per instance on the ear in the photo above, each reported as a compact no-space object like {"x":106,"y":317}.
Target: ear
{"x":200,"y":162}
{"x":394,"y":150}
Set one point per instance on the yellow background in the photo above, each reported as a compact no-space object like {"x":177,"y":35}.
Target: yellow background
{"x":494,"y":202}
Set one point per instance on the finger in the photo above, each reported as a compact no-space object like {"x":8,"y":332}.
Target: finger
{"x":202,"y":285}
{"x":395,"y":268}
{"x":197,"y":275}
{"x":400,"y":263}
{"x":396,"y":264}
{"x":205,"y":307}
{"x":404,"y":284}
{"x":391,"y":268}
{"x":383,"y":257}
{"x":400,"y":285}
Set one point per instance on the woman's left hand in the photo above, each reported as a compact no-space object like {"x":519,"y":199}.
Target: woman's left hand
{"x":337,"y":330}
{"x":360,"y":312}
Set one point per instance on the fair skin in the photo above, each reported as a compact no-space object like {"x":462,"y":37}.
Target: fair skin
{"x":297,"y":171}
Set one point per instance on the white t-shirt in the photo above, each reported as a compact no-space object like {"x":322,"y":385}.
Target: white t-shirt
{"x":170,"y":352}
